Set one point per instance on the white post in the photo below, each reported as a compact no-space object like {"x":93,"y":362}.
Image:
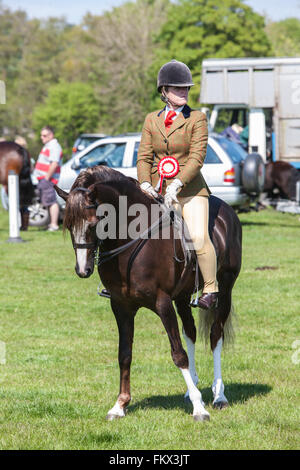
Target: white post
{"x":298,"y":192}
{"x":13,"y":198}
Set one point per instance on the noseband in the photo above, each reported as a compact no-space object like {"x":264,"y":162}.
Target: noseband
{"x":84,"y":246}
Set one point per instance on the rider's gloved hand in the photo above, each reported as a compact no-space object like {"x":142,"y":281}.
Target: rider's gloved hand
{"x":172,"y":191}
{"x":149,"y":189}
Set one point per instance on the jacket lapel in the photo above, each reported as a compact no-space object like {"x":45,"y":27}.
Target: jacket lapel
{"x":178,"y":122}
{"x":181,"y":119}
{"x":160,"y":122}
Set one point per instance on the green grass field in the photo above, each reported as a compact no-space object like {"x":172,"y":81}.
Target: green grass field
{"x":58,"y":354}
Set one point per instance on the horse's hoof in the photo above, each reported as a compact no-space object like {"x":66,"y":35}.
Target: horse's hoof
{"x":220,"y":405}
{"x":112,"y":417}
{"x":202,"y":417}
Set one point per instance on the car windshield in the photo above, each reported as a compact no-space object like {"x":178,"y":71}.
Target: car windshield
{"x":135,"y":153}
{"x":235,"y":151}
{"x":83,"y":142}
{"x":108,"y":154}
{"x":211,"y":156}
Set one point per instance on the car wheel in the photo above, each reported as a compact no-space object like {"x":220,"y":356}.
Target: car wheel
{"x":253,"y":174}
{"x":38,"y":215}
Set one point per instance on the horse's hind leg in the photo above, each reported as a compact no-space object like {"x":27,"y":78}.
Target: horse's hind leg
{"x":189,"y":333}
{"x":165,"y":310}
{"x":125,"y":322}
{"x":24,"y":218}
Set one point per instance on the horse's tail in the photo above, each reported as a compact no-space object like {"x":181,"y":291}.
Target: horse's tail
{"x":207,"y":318}
{"x":26,"y":186}
{"x":26,"y":168}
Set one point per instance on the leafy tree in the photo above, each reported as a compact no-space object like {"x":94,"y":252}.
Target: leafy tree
{"x":199,"y":29}
{"x":13,"y":27}
{"x":120,"y":54}
{"x":285,"y":37}
{"x":32,"y":61}
{"x":12,"y":31}
{"x":39,"y":67}
{"x":117,"y":56}
{"x":71,"y":108}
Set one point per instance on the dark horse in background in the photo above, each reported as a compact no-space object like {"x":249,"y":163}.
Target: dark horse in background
{"x":281,"y":177}
{"x":15,"y":157}
{"x":147,"y":274}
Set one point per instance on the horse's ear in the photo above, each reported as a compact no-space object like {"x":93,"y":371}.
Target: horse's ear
{"x":61,"y":193}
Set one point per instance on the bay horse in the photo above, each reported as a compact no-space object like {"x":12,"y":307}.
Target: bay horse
{"x":145,"y":273}
{"x":15,"y":157}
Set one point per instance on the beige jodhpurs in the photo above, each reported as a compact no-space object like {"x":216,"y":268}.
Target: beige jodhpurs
{"x":194,"y":211}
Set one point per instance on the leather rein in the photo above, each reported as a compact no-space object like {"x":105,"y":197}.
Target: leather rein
{"x":102,"y":257}
{"x":105,"y":256}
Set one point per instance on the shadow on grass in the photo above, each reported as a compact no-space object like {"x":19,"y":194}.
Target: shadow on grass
{"x":101,"y":438}
{"x":246,"y":223}
{"x":235,"y":393}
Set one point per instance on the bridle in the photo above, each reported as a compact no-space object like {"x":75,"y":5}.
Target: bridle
{"x":90,"y":245}
{"x":105,"y":256}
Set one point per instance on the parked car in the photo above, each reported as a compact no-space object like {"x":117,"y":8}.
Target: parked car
{"x":84,"y":140}
{"x":229,"y":171}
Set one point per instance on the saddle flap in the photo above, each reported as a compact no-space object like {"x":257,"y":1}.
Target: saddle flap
{"x":182,"y":233}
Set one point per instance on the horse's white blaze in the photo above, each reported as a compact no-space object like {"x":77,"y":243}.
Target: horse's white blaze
{"x":81,"y":253}
{"x":218,"y":386}
{"x":194,"y":394}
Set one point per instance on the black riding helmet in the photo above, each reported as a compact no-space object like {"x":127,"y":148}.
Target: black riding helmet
{"x":174,"y":73}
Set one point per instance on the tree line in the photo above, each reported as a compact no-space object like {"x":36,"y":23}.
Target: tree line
{"x":100,"y":75}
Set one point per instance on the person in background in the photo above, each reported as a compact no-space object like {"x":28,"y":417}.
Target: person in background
{"x":47,"y":171}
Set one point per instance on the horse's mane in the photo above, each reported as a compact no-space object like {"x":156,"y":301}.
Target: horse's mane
{"x":97,"y":174}
{"x":121,"y":184}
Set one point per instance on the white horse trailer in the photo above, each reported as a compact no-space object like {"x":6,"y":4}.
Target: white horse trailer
{"x":259,"y":88}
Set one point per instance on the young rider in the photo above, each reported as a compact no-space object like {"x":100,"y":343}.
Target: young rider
{"x":181,"y":132}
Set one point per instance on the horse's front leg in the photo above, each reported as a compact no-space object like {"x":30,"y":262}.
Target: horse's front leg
{"x":125,"y":322}
{"x":189,"y":333}
{"x":166,"y":311}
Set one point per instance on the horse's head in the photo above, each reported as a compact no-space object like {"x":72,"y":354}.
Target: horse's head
{"x":96,"y":188}
{"x":81,"y":221}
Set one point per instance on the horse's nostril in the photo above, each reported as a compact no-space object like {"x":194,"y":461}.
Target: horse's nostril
{"x":86,"y":273}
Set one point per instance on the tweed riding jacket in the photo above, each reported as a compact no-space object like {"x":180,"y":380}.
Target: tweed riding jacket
{"x":186,"y":140}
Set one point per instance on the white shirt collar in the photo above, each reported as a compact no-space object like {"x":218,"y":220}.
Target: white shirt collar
{"x":177,"y":111}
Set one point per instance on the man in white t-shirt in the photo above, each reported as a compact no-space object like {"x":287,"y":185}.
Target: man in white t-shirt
{"x":47,"y":170}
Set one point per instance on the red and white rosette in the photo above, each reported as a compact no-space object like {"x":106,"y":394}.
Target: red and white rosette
{"x":168,"y":167}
